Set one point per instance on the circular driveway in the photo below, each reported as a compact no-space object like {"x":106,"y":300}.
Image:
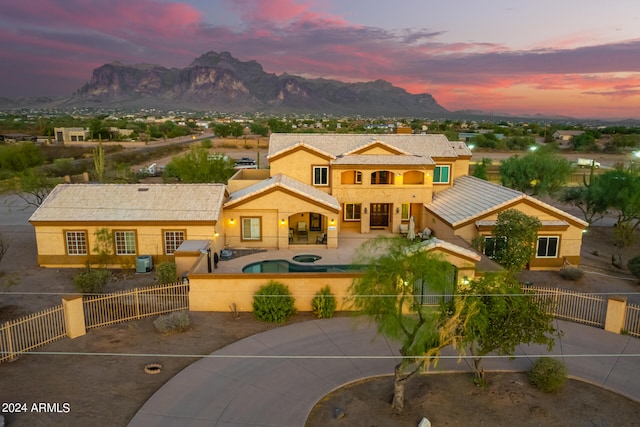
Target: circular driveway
{"x":277,"y":377}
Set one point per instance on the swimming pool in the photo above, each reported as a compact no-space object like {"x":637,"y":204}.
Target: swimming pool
{"x":284,"y":266}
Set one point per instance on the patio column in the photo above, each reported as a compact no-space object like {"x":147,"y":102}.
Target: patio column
{"x":332,"y":233}
{"x":283,"y":231}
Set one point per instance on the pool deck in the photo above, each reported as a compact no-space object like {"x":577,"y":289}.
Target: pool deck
{"x":348,"y":243}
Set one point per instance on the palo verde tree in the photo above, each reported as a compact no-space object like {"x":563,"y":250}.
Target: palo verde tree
{"x":198,"y":166}
{"x":540,"y":172}
{"x":389,"y":293}
{"x":584,"y":198}
{"x":503,"y":316}
{"x":515,"y":235}
{"x":31,"y":185}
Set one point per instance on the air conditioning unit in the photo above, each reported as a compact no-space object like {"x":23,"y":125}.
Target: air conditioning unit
{"x":144,"y":264}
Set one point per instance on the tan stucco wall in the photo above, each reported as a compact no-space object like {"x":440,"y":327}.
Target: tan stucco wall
{"x":570,"y":238}
{"x":51,"y":243}
{"x":298,"y":164}
{"x":273,"y":207}
{"x":217,"y":292}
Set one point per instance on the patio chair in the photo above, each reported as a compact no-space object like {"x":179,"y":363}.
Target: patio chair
{"x":404,"y":229}
{"x":321,"y":239}
{"x":302,"y":230}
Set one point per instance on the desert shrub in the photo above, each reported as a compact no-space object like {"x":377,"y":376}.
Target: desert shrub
{"x":273,"y":303}
{"x":324,"y":303}
{"x":634,"y":266}
{"x":172,"y":323}
{"x":571,"y":273}
{"x":92,"y":280}
{"x":166,"y":272}
{"x":548,"y":374}
{"x":206,"y":143}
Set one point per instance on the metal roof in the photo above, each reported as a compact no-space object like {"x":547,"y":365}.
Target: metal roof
{"x":471,"y":197}
{"x":132,"y":202}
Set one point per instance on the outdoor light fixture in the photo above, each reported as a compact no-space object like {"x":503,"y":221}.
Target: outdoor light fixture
{"x":365,"y":210}
{"x":231,"y":220}
{"x":397,"y":210}
{"x":465,"y":280}
{"x":216,"y":234}
{"x":282,"y":221}
{"x":332,"y":221}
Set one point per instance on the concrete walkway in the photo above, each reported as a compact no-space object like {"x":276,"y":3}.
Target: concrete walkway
{"x":275,"y":378}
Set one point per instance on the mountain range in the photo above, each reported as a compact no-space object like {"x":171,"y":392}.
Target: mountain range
{"x":220,"y":82}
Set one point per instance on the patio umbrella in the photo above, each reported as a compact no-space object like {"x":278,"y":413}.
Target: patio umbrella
{"x":411,"y":234}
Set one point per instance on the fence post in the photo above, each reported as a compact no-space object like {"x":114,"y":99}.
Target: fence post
{"x":136,"y":293}
{"x":616,"y":313}
{"x":74,"y":316}
{"x":10,"y":354}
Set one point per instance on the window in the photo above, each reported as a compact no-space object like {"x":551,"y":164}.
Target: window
{"x":493,"y":245}
{"x":357,"y":177}
{"x":172,"y":240}
{"x":381,"y":177}
{"x":441,"y":175}
{"x":76,"y":242}
{"x":125,"y":242}
{"x":406,"y":212}
{"x":547,"y":247}
{"x":251,"y":228}
{"x":352,"y":211}
{"x":320,"y":175}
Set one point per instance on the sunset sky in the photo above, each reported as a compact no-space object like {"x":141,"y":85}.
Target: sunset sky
{"x":579,"y":58}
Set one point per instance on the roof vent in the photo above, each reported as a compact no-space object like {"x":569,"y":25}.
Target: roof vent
{"x":143,"y":189}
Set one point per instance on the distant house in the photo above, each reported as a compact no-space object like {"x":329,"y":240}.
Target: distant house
{"x":71,"y":135}
{"x":566,"y":135}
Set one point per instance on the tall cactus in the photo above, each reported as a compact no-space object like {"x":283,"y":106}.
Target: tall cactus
{"x":98,"y":162}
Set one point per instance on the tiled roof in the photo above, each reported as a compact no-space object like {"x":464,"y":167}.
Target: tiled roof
{"x":435,"y":243}
{"x":382,"y":159}
{"x":288,"y":183}
{"x":428,"y":145}
{"x":132,"y":202}
{"x":471,"y":197}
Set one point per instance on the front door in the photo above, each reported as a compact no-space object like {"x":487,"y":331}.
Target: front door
{"x":379,"y":214}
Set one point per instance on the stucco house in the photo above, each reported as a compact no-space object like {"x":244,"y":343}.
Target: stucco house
{"x":318,"y":190}
{"x":320,"y":187}
{"x":142,"y":219}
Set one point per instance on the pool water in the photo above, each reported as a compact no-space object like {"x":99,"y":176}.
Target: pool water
{"x":284,"y":266}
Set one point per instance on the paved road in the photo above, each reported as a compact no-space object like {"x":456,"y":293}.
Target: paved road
{"x":276,"y":377}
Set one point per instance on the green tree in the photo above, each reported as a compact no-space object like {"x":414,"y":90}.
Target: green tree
{"x":585,"y":142}
{"x":279,"y":126}
{"x":503,"y":317}
{"x":389,"y":292}
{"x":31,"y":185}
{"x":518,"y":233}
{"x":480,"y":169}
{"x":618,"y":190}
{"x":583,"y":198}
{"x":20,"y":157}
{"x":541,"y":172}
{"x":198,"y":165}
{"x":222,"y":130}
{"x":236,"y":129}
{"x":259,"y":129}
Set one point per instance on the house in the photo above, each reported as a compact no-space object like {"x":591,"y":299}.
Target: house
{"x":321,"y":187}
{"x":566,"y":135}
{"x":70,"y":135}
{"x":319,"y":190}
{"x":149,"y":219}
